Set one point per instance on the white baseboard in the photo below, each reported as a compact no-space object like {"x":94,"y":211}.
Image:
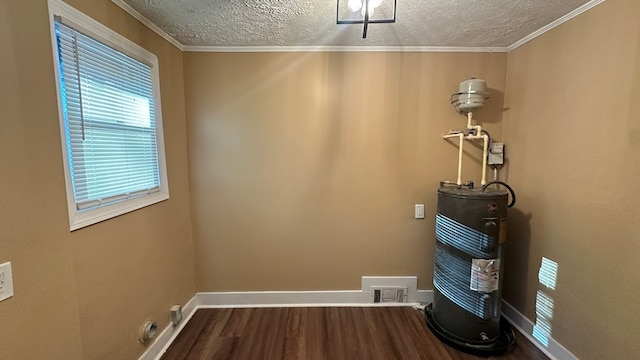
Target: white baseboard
{"x":299,"y":299}
{"x":256,"y":299}
{"x":169,"y":334}
{"x":554,"y":350}
{"x":331,"y":298}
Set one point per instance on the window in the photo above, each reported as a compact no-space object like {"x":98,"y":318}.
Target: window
{"x":110,"y":119}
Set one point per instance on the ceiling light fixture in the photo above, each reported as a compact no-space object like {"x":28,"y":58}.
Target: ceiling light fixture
{"x":366,"y":12}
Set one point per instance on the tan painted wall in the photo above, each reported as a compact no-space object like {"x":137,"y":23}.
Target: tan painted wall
{"x":305,"y":167}
{"x":304,"y":172}
{"x":573,"y":131}
{"x":34,"y":232}
{"x":81,"y":295}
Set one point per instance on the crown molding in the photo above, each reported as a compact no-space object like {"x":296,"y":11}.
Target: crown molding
{"x":588,"y":6}
{"x":153,"y":27}
{"x":248,"y":49}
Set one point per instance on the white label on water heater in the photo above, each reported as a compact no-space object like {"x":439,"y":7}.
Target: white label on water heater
{"x":485,"y":275}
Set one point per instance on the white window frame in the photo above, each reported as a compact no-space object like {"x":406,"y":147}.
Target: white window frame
{"x":81,"y":22}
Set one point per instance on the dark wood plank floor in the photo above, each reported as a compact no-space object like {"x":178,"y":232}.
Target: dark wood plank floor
{"x":330,"y":333}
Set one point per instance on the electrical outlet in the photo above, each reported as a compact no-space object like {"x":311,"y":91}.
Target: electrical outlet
{"x":419,"y":211}
{"x":6,"y":281}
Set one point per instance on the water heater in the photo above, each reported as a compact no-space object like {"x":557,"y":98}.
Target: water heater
{"x":470,"y":232}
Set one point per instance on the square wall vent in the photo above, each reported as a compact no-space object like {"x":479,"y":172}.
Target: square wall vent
{"x":389,"y":294}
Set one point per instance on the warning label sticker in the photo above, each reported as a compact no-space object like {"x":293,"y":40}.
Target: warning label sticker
{"x":485,"y":275}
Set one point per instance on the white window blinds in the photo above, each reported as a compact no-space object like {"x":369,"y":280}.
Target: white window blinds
{"x":110,"y":122}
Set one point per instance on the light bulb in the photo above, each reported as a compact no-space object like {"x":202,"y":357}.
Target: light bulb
{"x":355,"y":5}
{"x":374,"y":3}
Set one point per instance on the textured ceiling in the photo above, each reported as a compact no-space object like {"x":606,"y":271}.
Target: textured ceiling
{"x":312,"y":23}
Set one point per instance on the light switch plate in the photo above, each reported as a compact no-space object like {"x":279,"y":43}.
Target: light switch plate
{"x":6,"y":281}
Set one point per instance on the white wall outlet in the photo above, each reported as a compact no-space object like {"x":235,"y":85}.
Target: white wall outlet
{"x":419,"y":211}
{"x":6,"y":281}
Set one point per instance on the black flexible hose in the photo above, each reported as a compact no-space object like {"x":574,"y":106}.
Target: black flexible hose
{"x":488,"y":135}
{"x":513,"y":194}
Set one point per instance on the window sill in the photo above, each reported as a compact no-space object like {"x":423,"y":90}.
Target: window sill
{"x":84,"y":218}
